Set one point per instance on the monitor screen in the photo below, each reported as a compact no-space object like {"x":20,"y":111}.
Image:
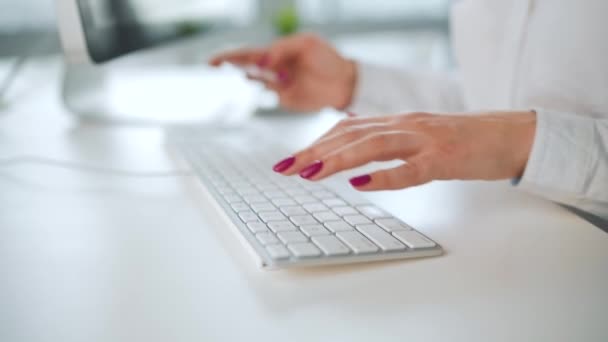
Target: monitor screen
{"x":116,"y":27}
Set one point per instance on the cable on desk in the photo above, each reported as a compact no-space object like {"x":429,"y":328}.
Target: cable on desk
{"x":91,"y":168}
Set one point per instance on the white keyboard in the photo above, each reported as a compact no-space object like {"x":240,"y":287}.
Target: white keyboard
{"x":288,"y":221}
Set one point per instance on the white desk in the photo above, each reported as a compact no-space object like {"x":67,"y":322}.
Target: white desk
{"x":89,"y":257}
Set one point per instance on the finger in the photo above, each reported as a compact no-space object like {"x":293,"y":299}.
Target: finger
{"x":382,"y":146}
{"x":320,"y":149}
{"x":417,"y":170}
{"x":369,"y":125}
{"x":241,"y":57}
{"x":350,"y":123}
{"x":283,"y":51}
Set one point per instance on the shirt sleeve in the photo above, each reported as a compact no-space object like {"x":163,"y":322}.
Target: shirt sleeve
{"x":382,"y":90}
{"x":569,"y":161}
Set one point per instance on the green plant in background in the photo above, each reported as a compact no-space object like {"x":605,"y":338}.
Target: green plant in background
{"x":287,"y":21}
{"x":189,"y":28}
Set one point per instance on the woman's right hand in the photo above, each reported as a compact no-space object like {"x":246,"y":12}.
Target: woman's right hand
{"x":311,"y":74}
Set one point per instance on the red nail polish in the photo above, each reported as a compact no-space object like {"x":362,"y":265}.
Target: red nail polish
{"x":283,"y":76}
{"x":312,"y":170}
{"x":263,"y":62}
{"x":360,"y":181}
{"x":284,"y":164}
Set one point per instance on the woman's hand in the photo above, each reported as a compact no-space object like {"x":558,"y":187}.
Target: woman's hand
{"x":310,"y":72}
{"x":434,"y":147}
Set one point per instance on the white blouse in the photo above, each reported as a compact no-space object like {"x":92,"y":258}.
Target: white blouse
{"x":546,"y":55}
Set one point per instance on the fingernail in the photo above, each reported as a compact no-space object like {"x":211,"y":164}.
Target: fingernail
{"x":284,"y":164}
{"x":351,"y":114}
{"x":283,"y":76}
{"x":263,"y":62}
{"x":311,"y":170}
{"x":360,"y":181}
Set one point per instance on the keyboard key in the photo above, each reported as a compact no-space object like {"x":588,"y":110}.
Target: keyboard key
{"x":255,"y":199}
{"x":334,"y":202}
{"x":275,"y":215}
{"x":413,"y":239}
{"x":392,"y":225}
{"x":277,"y":252}
{"x":275,"y":194}
{"x":303,"y":220}
{"x":283,"y":202}
{"x":292,"y":184}
{"x":305,"y":199}
{"x":323,"y":194}
{"x":315,"y":207}
{"x":356,"y":201}
{"x":248,"y":191}
{"x":325,"y":216}
{"x":330,"y":245}
{"x":357,"y":219}
{"x":232,"y":198}
{"x":257,"y":227}
{"x":282,"y":226}
{"x":381,"y":238}
{"x":373,"y":212}
{"x":236,"y":181}
{"x":249,"y":216}
{"x":314,"y":230}
{"x":338,"y":226}
{"x":293,"y":211}
{"x":296,"y":191}
{"x":267,"y":238}
{"x":313,"y":186}
{"x":260,"y":207}
{"x":343,"y":211}
{"x":239,"y":206}
{"x":267,"y":186}
{"x":357,"y":242}
{"x":292,"y":237}
{"x":304,"y":250}
{"x":283,"y":181}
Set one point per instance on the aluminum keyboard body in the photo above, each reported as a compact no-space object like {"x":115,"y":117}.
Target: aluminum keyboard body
{"x":287,"y":221}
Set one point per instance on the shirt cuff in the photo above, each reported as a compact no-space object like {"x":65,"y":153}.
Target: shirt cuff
{"x":385,"y":90}
{"x":367,"y":98}
{"x":560,"y":157}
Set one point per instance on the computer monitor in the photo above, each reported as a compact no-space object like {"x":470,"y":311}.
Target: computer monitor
{"x":95,"y":31}
{"x":163,"y":85}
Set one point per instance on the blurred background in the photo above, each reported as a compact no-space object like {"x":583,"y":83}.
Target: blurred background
{"x":24,"y":22}
{"x":398,"y":33}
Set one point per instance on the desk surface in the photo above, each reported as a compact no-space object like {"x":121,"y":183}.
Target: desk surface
{"x":90,"y":257}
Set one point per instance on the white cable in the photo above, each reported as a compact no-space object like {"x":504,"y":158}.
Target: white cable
{"x":91,"y":168}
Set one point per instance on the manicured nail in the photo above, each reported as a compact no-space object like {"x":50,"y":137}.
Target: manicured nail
{"x":311,"y":170}
{"x":283,"y":76}
{"x":263,"y":62}
{"x":360,"y":181}
{"x":284,"y":164}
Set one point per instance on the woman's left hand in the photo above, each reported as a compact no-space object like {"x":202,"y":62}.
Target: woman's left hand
{"x":487,"y":146}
